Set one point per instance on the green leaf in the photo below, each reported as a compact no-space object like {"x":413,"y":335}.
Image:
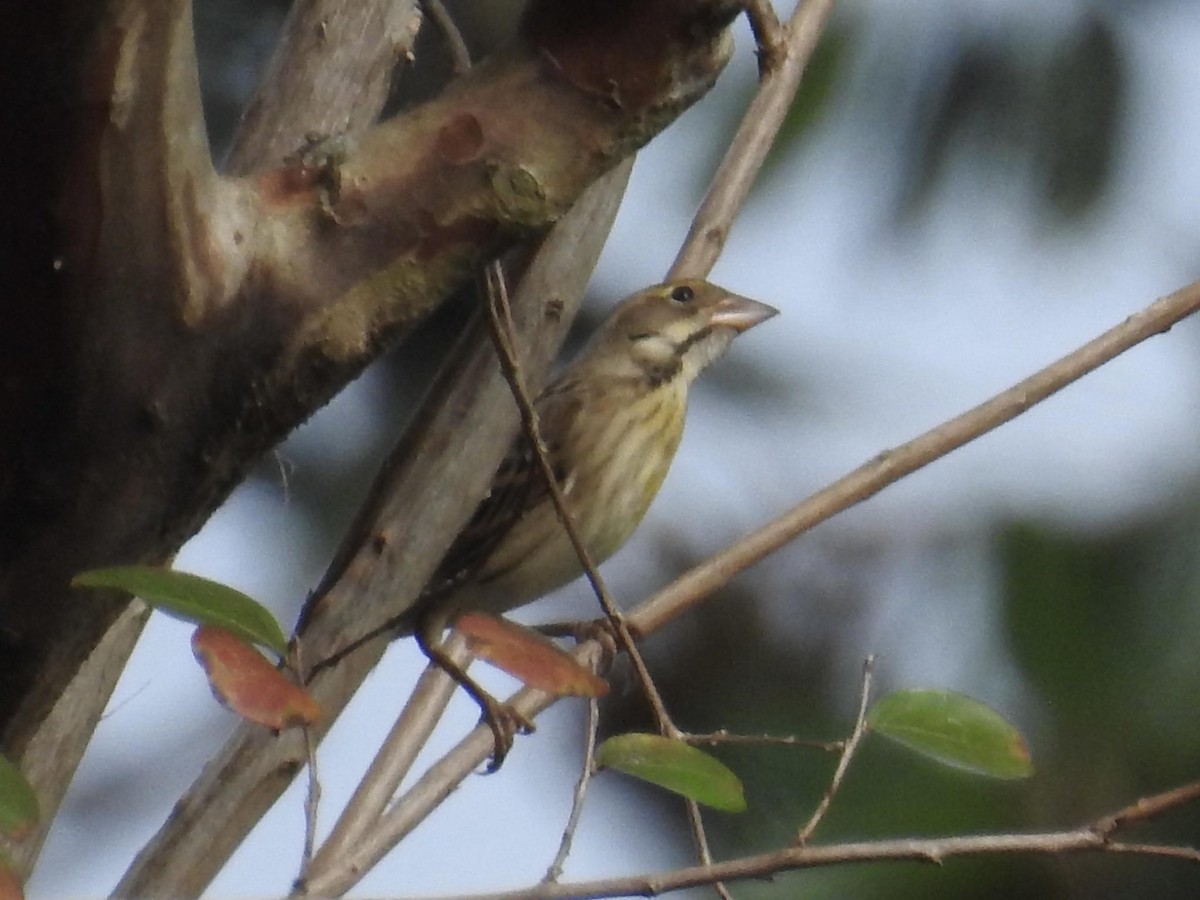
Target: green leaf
{"x":953,"y":729}
{"x":18,"y":803}
{"x":194,"y":599}
{"x":676,"y":766}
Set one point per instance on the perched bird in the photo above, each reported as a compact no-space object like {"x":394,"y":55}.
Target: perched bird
{"x":611,"y":422}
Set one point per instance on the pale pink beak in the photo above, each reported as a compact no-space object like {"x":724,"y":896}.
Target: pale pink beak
{"x":741,"y":313}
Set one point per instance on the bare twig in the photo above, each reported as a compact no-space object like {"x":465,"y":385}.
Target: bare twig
{"x":768,"y":35}
{"x":1185,"y":854}
{"x":555,"y":869}
{"x":783,"y":55}
{"x":1147,"y":808}
{"x":1089,"y":838}
{"x":754,"y":137}
{"x":498,"y":313}
{"x":460,"y":56}
{"x":427,"y":793}
{"x":393,"y":760}
{"x":700,"y":837}
{"x":722,"y":736}
{"x":499,"y":316}
{"x":848,"y":750}
{"x":312,"y":800}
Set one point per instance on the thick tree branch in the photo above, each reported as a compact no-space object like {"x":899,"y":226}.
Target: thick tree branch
{"x":458,"y":439}
{"x":329,"y":74}
{"x":200,"y":319}
{"x":131,"y":203}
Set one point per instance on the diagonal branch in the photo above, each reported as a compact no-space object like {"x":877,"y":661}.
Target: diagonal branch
{"x":701,"y":581}
{"x":788,"y":54}
{"x":849,"y":748}
{"x":458,"y":439}
{"x":892,"y":465}
{"x":329,"y":74}
{"x":1088,"y":838}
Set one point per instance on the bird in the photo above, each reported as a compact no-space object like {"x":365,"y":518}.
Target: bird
{"x":611,"y":422}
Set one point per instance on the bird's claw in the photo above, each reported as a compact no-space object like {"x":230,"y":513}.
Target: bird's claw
{"x":506,"y":723}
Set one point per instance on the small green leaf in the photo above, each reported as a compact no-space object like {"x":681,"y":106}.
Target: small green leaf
{"x":18,"y":802}
{"x":953,"y":729}
{"x":194,"y":599}
{"x":676,"y":766}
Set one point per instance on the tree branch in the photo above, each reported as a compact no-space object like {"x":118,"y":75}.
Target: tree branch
{"x":458,"y":439}
{"x":892,"y":465}
{"x":330,"y":74}
{"x":1085,"y":839}
{"x":701,"y":581}
{"x":198,"y":319}
{"x":788,"y":55}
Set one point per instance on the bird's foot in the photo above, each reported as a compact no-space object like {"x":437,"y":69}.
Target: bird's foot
{"x":506,"y":723}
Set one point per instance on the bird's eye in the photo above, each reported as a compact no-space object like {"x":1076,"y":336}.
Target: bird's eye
{"x":683,"y":294}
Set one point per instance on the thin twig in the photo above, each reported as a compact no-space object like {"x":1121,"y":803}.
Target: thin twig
{"x":1186,"y":854}
{"x":555,"y":869}
{"x":500,"y":318}
{"x":1147,"y":808}
{"x":783,"y":54}
{"x":768,"y":35}
{"x":848,"y":751}
{"x":713,"y":738}
{"x":422,"y":711}
{"x":703,"y":851}
{"x":748,"y":149}
{"x":1091,"y":837}
{"x":430,"y":789}
{"x":312,"y":800}
{"x":460,"y":56}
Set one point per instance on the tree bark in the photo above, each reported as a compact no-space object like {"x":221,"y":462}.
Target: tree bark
{"x":166,"y":324}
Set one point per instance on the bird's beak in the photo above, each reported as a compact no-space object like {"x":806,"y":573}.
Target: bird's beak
{"x":740,"y":313}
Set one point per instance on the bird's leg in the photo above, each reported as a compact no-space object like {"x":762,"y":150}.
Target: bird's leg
{"x":601,"y":629}
{"x":577,"y":629}
{"x":391,"y":626}
{"x":504,"y":721}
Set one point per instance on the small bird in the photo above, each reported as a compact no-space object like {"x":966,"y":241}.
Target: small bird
{"x":611,"y":422}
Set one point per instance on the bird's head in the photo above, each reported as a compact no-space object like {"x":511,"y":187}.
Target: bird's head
{"x":674,"y":330}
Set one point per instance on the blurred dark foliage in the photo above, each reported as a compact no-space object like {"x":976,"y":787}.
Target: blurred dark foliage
{"x":1103,"y":628}
{"x":1055,"y":110}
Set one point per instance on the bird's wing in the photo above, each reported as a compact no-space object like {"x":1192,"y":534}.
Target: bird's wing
{"x":517,"y":487}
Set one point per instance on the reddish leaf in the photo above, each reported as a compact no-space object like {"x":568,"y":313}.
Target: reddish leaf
{"x":245,"y":681}
{"x":528,"y":656}
{"x":10,"y":881}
